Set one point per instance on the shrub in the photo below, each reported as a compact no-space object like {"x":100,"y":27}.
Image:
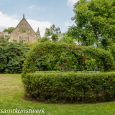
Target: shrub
{"x":70,"y":86}
{"x":62,"y":56}
{"x":3,"y":59}
{"x":101,"y":58}
{"x":12,"y":56}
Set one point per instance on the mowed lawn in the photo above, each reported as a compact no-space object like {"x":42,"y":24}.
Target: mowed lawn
{"x":11,"y":92}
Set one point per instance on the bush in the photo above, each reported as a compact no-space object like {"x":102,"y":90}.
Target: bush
{"x":70,"y":86}
{"x":67,"y":57}
{"x":101,"y":58}
{"x":3,"y":59}
{"x":12,"y":56}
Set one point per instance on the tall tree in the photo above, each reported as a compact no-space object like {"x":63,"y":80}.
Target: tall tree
{"x":53,"y":32}
{"x":95,"y":22}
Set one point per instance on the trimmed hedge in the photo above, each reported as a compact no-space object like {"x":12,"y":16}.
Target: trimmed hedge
{"x":104,"y":59}
{"x":48,"y":56}
{"x":70,"y":86}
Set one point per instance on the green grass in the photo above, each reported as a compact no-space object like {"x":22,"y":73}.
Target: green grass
{"x":11,"y":91}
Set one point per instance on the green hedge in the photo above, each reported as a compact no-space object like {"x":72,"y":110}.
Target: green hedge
{"x":103,"y":59}
{"x":48,"y":56}
{"x":70,"y":86}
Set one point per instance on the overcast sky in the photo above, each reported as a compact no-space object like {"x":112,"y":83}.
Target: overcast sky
{"x":39,"y":13}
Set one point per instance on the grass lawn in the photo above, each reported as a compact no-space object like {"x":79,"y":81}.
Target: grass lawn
{"x":11,"y":91}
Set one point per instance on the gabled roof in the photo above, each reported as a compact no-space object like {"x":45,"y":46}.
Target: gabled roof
{"x":24,"y":25}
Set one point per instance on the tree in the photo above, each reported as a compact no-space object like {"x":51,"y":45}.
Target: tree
{"x":81,"y":35}
{"x":9,"y":30}
{"x":95,"y":22}
{"x":12,"y":56}
{"x":66,"y":39}
{"x":44,"y":39}
{"x":53,"y":32}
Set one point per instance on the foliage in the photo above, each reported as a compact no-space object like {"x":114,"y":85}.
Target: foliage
{"x":95,"y":22}
{"x":45,"y":39}
{"x":49,"y":56}
{"x":112,"y":50}
{"x":53,"y":32}
{"x":3,"y":40}
{"x":28,"y":44}
{"x":101,"y":58}
{"x":66,"y":39}
{"x":12,"y":56}
{"x":81,"y":35}
{"x":9,"y":30}
{"x":70,"y":87}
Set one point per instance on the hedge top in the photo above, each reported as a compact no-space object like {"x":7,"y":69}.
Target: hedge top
{"x":56,"y":49}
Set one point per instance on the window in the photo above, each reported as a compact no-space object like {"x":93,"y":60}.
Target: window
{"x":23,"y":31}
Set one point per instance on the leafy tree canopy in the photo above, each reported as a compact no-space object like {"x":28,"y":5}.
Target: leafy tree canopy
{"x":95,"y":22}
{"x":44,"y":39}
{"x":9,"y":30}
{"x":53,"y":32}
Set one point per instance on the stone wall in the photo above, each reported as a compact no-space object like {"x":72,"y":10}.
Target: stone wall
{"x":4,"y":34}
